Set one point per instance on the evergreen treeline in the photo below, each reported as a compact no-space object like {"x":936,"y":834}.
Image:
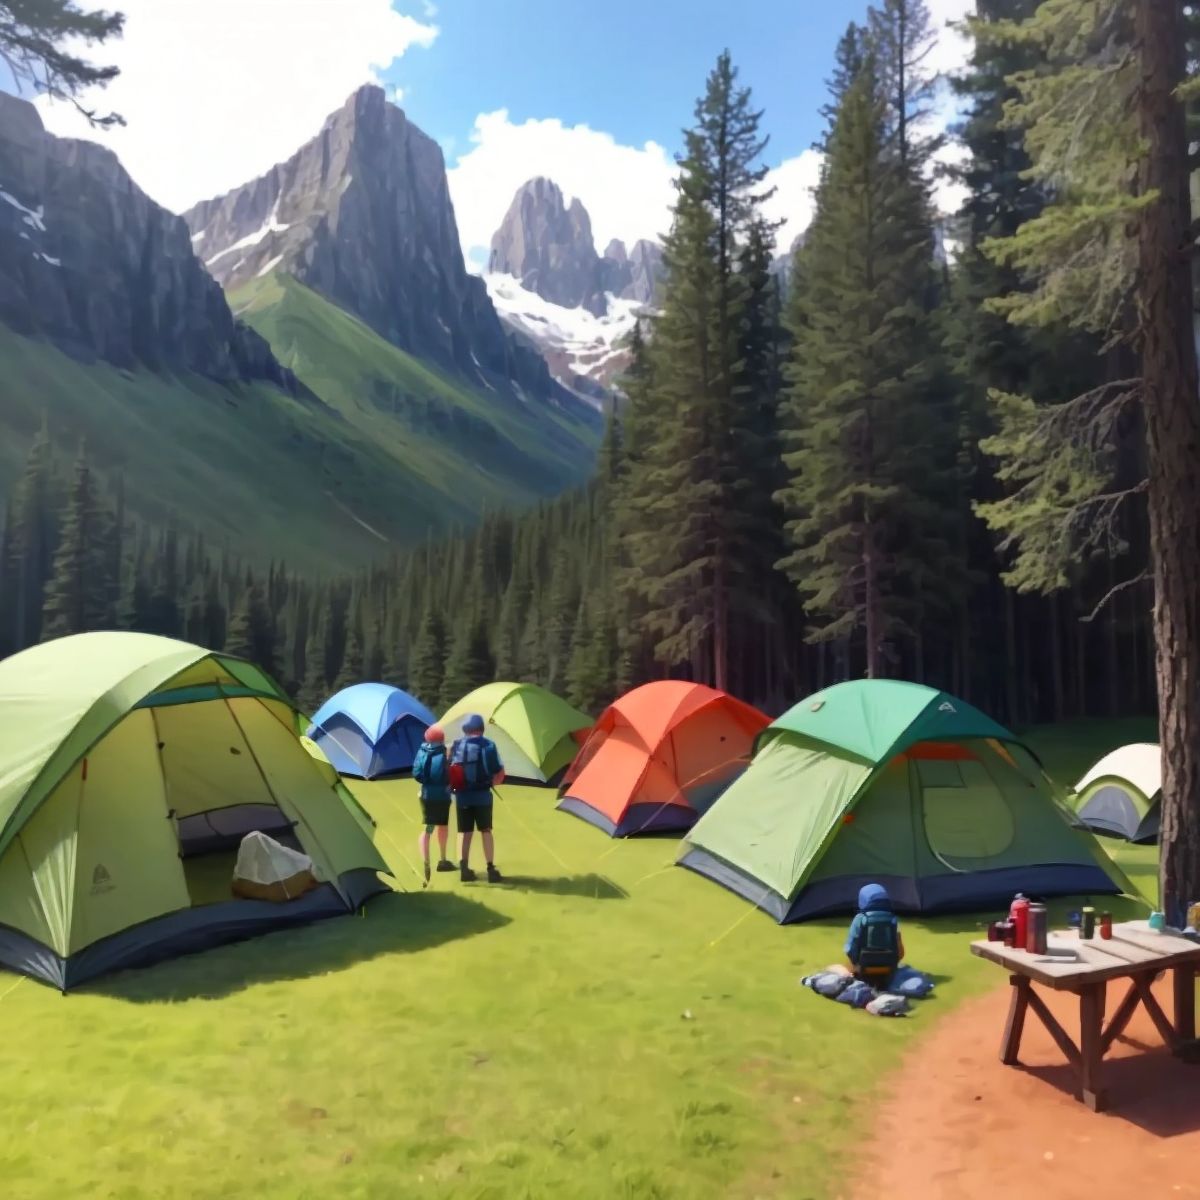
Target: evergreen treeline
{"x":856,"y":479}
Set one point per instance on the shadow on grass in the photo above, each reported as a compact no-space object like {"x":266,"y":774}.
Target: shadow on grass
{"x":389,"y":924}
{"x":591,"y":886}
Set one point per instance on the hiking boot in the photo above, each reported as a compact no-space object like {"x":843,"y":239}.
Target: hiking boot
{"x":446,"y":865}
{"x":493,"y":874}
{"x":466,"y":874}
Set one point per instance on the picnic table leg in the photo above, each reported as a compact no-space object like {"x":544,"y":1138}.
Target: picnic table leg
{"x":1185,"y":1002}
{"x":1015,"y":1024}
{"x":1091,"y":1051}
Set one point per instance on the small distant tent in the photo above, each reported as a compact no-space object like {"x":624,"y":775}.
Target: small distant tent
{"x":131,"y":769}
{"x":880,"y":781}
{"x":370,"y":729}
{"x":1122,"y":794}
{"x":536,"y":732}
{"x":659,"y":756}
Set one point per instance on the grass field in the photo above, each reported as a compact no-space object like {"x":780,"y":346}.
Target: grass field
{"x":603,"y":1025}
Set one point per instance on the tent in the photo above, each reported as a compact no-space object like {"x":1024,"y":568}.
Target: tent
{"x":536,"y":732}
{"x":659,"y":756}
{"x":1122,"y":794}
{"x":370,"y":729}
{"x":893,"y":783}
{"x":131,"y":767}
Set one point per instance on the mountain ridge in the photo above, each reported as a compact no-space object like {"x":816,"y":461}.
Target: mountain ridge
{"x":89,"y":262}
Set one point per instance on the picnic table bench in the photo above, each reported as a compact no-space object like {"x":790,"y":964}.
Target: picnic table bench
{"x":1084,"y":967}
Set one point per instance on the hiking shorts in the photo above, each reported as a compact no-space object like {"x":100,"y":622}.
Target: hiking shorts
{"x":435,"y":812}
{"x":474,"y":817}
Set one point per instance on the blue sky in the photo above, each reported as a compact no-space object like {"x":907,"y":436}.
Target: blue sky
{"x":630,"y":67}
{"x":592,"y":95}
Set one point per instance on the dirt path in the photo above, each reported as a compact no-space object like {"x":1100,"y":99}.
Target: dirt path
{"x":958,"y":1125}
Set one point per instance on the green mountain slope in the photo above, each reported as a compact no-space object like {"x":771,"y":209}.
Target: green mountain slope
{"x":468,"y":447}
{"x":268,"y":474}
{"x":386,"y":451}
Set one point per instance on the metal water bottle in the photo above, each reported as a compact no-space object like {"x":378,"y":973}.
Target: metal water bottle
{"x":1035,"y":937}
{"x":1087,"y":927}
{"x":1018,"y":914}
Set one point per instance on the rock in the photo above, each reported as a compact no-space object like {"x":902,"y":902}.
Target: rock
{"x":548,"y":247}
{"x":362,"y":214}
{"x":90,"y":262}
{"x":646,"y":267}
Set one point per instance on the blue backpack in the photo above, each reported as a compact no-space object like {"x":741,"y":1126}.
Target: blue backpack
{"x":431,"y":770}
{"x":469,"y":767}
{"x":879,"y":947}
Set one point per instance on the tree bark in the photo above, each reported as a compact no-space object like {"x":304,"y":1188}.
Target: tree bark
{"x":1056,"y":657}
{"x":1012,"y":692}
{"x":1172,"y":414}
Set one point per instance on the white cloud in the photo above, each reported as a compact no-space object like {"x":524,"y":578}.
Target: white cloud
{"x":794,"y":180}
{"x":216,"y":91}
{"x":952,"y":49}
{"x":627,"y":190}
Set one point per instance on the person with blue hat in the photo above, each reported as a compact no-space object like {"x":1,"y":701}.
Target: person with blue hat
{"x":475,"y":767}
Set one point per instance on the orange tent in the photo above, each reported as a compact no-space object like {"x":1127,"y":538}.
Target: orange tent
{"x":659,"y":756}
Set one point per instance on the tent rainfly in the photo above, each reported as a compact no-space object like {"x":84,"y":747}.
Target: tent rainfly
{"x":1122,"y":794}
{"x":659,"y":756}
{"x":370,"y":729}
{"x":536,"y":732}
{"x":880,"y":781}
{"x":131,"y":768}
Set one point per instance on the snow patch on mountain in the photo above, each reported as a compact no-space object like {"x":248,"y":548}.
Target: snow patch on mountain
{"x":580,"y":347}
{"x":271,"y":225}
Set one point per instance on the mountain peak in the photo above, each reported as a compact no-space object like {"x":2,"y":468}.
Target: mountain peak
{"x":547,"y":246}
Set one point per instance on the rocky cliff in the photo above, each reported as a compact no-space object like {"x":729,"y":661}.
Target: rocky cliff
{"x":91,"y":263}
{"x":362,"y":215}
{"x":547,"y":246}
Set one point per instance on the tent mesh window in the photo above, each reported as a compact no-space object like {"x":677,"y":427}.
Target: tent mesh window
{"x":968,"y":819}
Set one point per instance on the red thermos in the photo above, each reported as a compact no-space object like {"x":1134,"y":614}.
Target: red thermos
{"x":1018,"y":914}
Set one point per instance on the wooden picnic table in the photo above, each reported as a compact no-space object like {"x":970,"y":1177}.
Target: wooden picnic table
{"x":1084,"y":967}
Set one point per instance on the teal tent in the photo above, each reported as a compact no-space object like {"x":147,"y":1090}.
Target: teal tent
{"x":880,"y":781}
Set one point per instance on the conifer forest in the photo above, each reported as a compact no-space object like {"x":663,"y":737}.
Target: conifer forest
{"x":962,"y":450}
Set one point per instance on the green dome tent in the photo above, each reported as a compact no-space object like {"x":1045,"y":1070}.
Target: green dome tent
{"x":879,"y":781}
{"x":535,"y":731}
{"x":131,"y":767}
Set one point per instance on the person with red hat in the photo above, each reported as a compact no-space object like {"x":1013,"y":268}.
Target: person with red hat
{"x":431,"y":769}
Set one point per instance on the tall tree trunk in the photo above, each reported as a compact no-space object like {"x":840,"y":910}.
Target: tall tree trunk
{"x":1081,"y":673}
{"x":871,"y":602}
{"x":720,"y":634}
{"x":1172,"y":411}
{"x":1056,"y":657}
{"x":1011,"y":666}
{"x":1112,"y":647}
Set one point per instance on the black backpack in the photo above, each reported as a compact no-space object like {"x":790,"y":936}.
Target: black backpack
{"x":879,"y":947}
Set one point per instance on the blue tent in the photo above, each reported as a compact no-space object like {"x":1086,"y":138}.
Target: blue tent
{"x":370,"y":729}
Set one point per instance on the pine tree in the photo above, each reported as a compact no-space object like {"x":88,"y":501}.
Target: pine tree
{"x":853,"y":433}
{"x":901,"y":40}
{"x":351,"y":671}
{"x":251,"y":635}
{"x":428,"y":665}
{"x":469,"y":663}
{"x":848,"y":59}
{"x":1106,"y":255}
{"x":32,"y":542}
{"x":315,"y":689}
{"x":78,"y":595}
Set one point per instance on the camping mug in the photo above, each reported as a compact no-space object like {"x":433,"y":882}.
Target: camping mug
{"x":1157,"y":922}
